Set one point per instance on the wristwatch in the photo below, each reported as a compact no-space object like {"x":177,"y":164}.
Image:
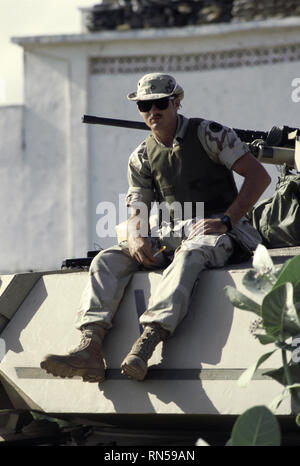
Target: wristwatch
{"x":226,"y":221}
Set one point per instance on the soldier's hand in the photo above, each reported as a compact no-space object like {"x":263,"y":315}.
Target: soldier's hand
{"x":207,"y":226}
{"x":140,"y":249}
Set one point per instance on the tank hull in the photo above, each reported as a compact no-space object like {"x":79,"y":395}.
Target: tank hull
{"x":195,"y":372}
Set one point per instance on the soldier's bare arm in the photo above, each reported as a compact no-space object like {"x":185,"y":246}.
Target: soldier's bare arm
{"x":138,"y":243}
{"x":256,"y":180}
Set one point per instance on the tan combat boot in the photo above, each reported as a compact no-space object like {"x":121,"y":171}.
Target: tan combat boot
{"x":86,"y":360}
{"x":135,"y":363}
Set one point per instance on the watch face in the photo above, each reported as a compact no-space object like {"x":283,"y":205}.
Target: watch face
{"x":226,"y":221}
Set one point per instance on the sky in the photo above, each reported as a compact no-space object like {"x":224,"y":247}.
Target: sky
{"x":30,"y":18}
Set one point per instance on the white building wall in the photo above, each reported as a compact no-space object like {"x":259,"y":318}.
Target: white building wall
{"x":46,"y":159}
{"x":12,"y":180}
{"x":238,"y":74}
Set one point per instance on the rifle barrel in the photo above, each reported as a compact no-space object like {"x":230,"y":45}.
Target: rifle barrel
{"x":244,"y":135}
{"x":95,"y":120}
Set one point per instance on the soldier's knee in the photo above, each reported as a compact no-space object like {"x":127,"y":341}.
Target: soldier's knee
{"x":108,"y":258}
{"x":99,"y":259}
{"x":96,"y":261}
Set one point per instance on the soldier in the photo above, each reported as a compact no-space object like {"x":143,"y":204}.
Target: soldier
{"x":182,"y":160}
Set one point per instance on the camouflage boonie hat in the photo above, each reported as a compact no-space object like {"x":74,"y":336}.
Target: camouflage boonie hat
{"x":156,"y":86}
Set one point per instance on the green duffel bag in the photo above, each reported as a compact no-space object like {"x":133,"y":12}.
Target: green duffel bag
{"x":278,"y":218}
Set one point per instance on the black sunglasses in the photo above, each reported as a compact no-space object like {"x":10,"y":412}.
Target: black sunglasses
{"x":161,"y":104}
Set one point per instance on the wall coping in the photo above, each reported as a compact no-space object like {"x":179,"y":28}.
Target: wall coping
{"x":164,"y":33}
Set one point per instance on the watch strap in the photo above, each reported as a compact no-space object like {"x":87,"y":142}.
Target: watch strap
{"x":226,"y":221}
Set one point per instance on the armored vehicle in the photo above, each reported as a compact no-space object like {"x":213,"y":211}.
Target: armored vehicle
{"x":191,"y":389}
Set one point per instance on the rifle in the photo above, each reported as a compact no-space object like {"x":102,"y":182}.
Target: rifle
{"x":279,"y":146}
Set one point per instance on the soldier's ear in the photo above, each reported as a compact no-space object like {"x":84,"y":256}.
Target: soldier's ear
{"x":177,"y":103}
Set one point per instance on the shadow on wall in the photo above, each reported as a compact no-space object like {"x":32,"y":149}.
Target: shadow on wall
{"x":23,"y":317}
{"x":199,"y":339}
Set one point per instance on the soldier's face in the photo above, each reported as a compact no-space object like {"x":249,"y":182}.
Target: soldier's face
{"x":158,"y":119}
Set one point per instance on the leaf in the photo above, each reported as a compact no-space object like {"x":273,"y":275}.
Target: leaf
{"x":256,"y":427}
{"x":290,"y":272}
{"x":265,"y":339}
{"x":279,"y":375}
{"x":261,"y":260}
{"x":272,"y":309}
{"x":241,"y":301}
{"x":257,"y":283}
{"x":247,"y":375}
{"x":298,"y":419}
{"x":297,"y":297}
{"x":286,"y":392}
{"x":279,"y":313}
{"x":294,"y":385}
{"x":278,"y":399}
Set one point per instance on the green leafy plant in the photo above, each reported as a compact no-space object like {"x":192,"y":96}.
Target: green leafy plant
{"x":277,"y":304}
{"x":256,"y":427}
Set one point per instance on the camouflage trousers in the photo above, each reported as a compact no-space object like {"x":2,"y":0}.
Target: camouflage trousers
{"x":111,"y":270}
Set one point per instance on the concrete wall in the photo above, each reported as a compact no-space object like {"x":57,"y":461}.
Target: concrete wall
{"x":12,"y":186}
{"x":46,"y":155}
{"x":238,"y":74}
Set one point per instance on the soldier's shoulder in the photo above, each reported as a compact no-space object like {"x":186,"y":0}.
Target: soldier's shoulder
{"x":140,"y":150}
{"x":138,"y":159}
{"x":213,"y":126}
